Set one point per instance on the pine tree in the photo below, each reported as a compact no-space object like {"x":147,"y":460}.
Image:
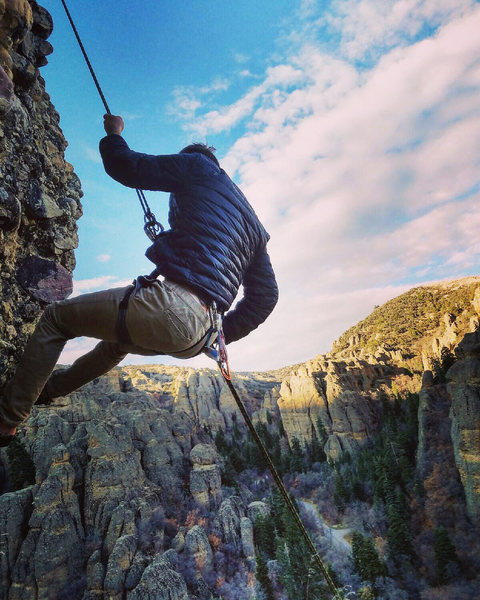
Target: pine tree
{"x":264,"y":535}
{"x":321,"y":432}
{"x":221,"y":442}
{"x":445,"y":554}
{"x":366,"y":561}
{"x":236,"y":433}
{"x":341,"y":494}
{"x":296,"y":457}
{"x":276,"y":453}
{"x":261,"y":574}
{"x":21,"y":467}
{"x":398,"y":533}
{"x":317,"y":451}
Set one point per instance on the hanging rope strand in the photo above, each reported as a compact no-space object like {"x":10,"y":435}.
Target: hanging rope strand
{"x":283,"y":490}
{"x":152,"y":227}
{"x":85,"y":56}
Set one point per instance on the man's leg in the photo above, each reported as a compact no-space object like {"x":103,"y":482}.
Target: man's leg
{"x":95,"y":363}
{"x":92,"y":315}
{"x":161,"y":319}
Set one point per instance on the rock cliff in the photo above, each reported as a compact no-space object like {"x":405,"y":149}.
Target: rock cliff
{"x":111,"y":514}
{"x":387,"y":353}
{"x":39,"y":192}
{"x":464,"y":389}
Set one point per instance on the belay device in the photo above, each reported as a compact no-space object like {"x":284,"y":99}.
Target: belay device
{"x":215,"y":348}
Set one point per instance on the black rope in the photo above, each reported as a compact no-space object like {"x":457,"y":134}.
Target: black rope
{"x":283,"y":490}
{"x":152,"y":227}
{"x":85,"y":56}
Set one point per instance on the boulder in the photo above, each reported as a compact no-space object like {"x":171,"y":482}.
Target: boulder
{"x":198,"y":547}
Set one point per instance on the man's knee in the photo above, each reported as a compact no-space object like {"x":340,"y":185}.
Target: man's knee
{"x":52,"y":315}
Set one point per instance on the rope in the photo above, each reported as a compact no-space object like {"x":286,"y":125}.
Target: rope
{"x":152,"y":227}
{"x":85,"y":56}
{"x":288,"y":501}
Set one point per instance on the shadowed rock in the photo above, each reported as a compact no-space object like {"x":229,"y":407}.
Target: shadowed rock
{"x":45,"y":279}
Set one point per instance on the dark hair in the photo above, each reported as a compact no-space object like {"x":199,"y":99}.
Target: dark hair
{"x":204,"y":149}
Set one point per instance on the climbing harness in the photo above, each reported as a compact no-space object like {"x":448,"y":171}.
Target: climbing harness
{"x":123,"y":335}
{"x":151,"y":226}
{"x":218,"y":352}
{"x":214,"y":345}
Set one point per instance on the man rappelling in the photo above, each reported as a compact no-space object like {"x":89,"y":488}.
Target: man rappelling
{"x":215,"y":244}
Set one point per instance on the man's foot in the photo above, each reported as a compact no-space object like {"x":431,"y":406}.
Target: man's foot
{"x":7,"y":433}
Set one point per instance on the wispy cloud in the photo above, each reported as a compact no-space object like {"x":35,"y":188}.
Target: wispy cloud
{"x":83,"y":286}
{"x":369,"y":28}
{"x":278,"y":78}
{"x":240,"y":58}
{"x":103,"y":258}
{"x":187,"y":100}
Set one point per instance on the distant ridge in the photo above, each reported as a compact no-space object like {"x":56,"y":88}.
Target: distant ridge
{"x":410,"y":322}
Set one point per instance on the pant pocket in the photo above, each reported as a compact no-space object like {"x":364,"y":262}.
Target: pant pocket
{"x":178,"y":323}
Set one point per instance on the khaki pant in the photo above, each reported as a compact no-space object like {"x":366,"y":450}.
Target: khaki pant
{"x":164,"y":318}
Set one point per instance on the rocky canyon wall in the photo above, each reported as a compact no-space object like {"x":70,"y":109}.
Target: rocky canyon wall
{"x":39,"y":191}
{"x":127,"y":503}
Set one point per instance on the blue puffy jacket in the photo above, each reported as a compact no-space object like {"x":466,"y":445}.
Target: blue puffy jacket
{"x":215,"y":242}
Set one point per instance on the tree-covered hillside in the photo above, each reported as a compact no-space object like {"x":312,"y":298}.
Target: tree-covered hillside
{"x":403,"y":322}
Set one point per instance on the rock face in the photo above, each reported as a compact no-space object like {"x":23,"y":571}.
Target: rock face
{"x":342,"y":392}
{"x":203,"y":395}
{"x":342,"y":397}
{"x":205,"y":477}
{"x":465,"y":416}
{"x":109,"y":514}
{"x":39,"y":192}
{"x":448,"y":453}
{"x":435,"y":456}
{"x":127,"y":501}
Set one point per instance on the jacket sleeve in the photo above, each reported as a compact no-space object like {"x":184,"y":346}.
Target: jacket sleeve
{"x":165,"y":173}
{"x":259,"y":299}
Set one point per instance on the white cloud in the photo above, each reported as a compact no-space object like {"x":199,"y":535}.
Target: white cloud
{"x":103,"y":258}
{"x":82,"y":286}
{"x":187,"y":100}
{"x":240,"y":58}
{"x":370,"y":27}
{"x":278,"y":77}
{"x":363,"y":178}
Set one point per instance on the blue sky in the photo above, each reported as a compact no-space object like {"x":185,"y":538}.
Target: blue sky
{"x":352,"y":127}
